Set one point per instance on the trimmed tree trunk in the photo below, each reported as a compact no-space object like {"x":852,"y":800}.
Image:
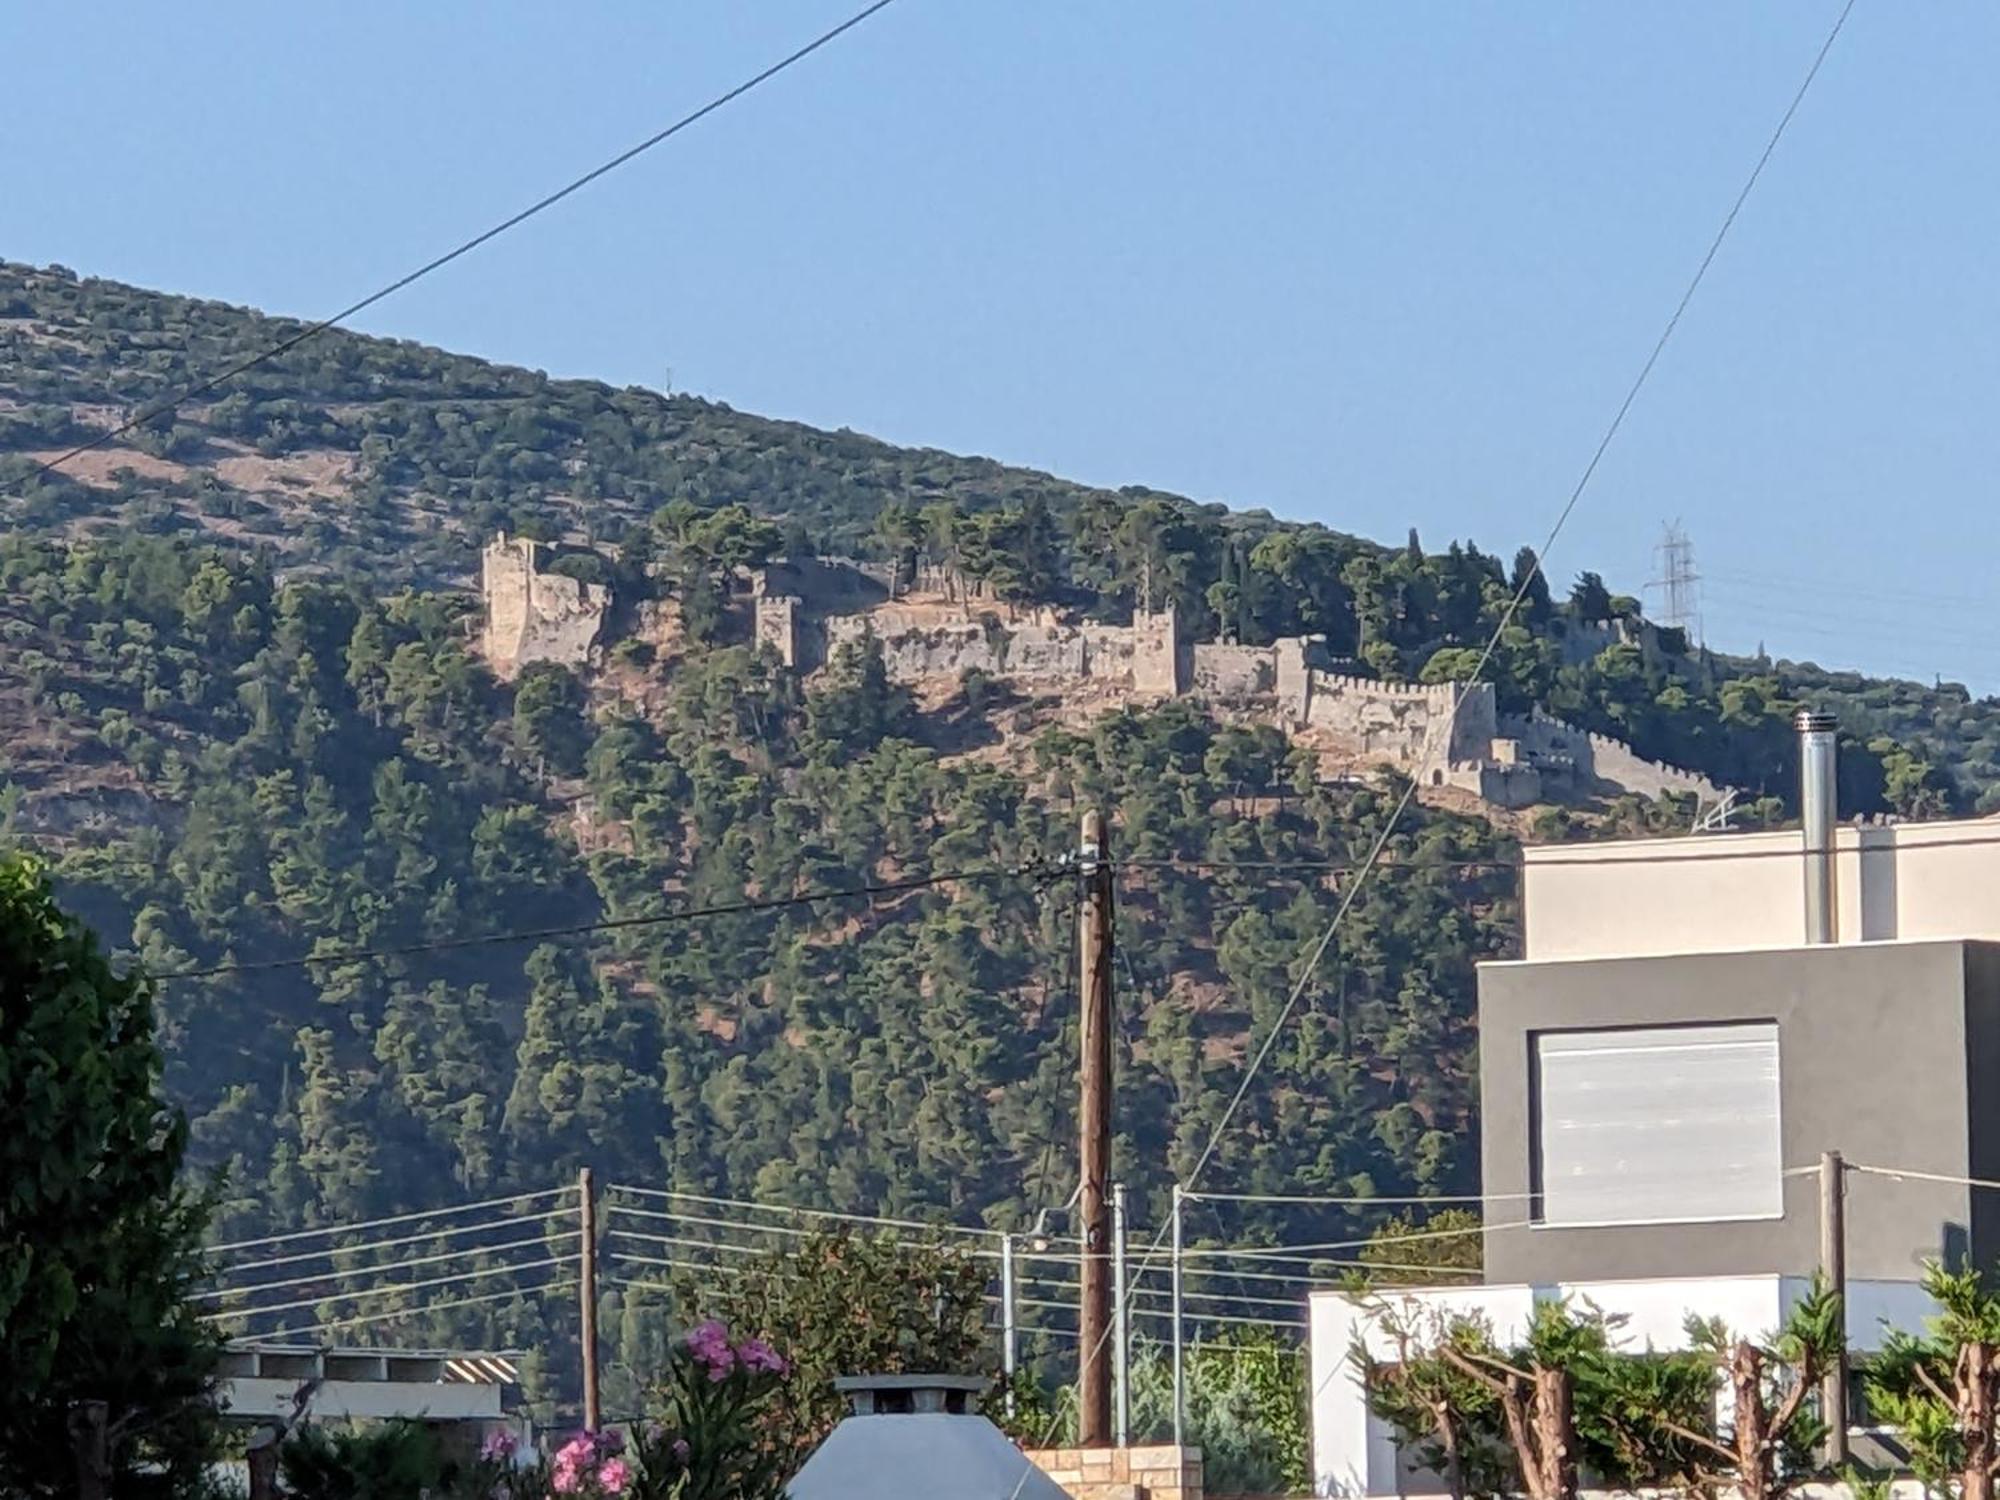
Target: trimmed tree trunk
{"x":1978,"y":1375}
{"x":1555,"y":1433}
{"x":1454,"y":1461}
{"x":1753,"y":1435}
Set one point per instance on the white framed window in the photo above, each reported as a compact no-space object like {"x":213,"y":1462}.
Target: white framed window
{"x":1657,"y":1125}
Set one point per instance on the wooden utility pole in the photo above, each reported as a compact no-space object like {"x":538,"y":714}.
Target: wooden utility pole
{"x":1094,"y":984}
{"x":1833,"y":1266}
{"x":586,"y":1283}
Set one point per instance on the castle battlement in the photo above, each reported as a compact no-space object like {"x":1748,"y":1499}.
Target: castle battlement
{"x":1450,"y":733}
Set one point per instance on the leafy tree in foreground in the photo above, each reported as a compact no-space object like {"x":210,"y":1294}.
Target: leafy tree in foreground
{"x":1941,"y":1390}
{"x":1773,"y":1432}
{"x":98,"y":1238}
{"x":848,"y":1304}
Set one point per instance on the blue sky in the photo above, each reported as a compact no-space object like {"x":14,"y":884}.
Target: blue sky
{"x":1377,"y":264}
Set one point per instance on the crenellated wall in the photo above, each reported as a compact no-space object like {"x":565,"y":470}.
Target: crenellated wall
{"x":1450,"y":734}
{"x":1404,"y":724}
{"x":916,"y":646}
{"x":1602,"y":763}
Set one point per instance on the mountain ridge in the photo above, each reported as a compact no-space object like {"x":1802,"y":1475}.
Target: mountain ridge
{"x":248,"y":724}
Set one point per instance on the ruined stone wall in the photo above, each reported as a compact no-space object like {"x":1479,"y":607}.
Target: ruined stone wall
{"x":1405,"y":724}
{"x":824,"y":585}
{"x":1602,"y":763}
{"x":1233,"y":674}
{"x":917,"y":646}
{"x":534,"y":616}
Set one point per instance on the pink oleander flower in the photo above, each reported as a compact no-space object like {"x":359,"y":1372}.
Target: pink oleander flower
{"x":613,"y":1476}
{"x":758,"y":1355}
{"x":567,"y":1473}
{"x":681,"y":1449}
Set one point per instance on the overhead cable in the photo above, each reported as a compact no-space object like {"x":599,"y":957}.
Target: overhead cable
{"x":355,"y":1228}
{"x":291,"y":341}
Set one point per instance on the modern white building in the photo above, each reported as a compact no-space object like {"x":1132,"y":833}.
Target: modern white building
{"x":1694,"y":1022}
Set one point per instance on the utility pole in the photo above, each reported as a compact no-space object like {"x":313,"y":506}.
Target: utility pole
{"x":1094,"y":985}
{"x":586,"y":1283}
{"x":1833,"y":1266}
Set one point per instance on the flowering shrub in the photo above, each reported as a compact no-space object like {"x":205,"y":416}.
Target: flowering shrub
{"x":710,"y":1444}
{"x":590,"y":1465}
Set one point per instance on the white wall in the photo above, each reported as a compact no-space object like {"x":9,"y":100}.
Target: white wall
{"x":1728,"y":892}
{"x":1354,"y":1453}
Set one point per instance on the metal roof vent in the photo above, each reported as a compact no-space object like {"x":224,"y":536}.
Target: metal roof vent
{"x":1818,"y":796}
{"x":918,"y":1437}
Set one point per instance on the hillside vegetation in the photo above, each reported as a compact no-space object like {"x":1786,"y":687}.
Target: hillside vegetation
{"x":246,"y":722}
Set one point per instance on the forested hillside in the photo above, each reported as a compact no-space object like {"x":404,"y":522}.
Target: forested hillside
{"x":246,"y":723}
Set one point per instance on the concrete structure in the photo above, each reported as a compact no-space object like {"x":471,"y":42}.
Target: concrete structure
{"x":534,"y":616}
{"x":1882,"y":1050}
{"x":1663,"y":1069}
{"x":1742,"y":891}
{"x":918,"y":1437}
{"x":481,"y":1391}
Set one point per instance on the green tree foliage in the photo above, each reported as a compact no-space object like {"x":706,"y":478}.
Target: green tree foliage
{"x":1568,"y":1405}
{"x":99,"y":1236}
{"x":840,"y":1303}
{"x":1247,"y":1408}
{"x":1408,"y":1250}
{"x":251,"y":728}
{"x":1941,"y":1389}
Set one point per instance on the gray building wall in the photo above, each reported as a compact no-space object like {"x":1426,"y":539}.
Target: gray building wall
{"x":1888,"y":1053}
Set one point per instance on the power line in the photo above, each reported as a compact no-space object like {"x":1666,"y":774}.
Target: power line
{"x":1910,"y":1174}
{"x":1318,"y":950}
{"x":402,"y":1265}
{"x":1293,"y":1252}
{"x":610,"y":924}
{"x":375,"y":1245}
{"x":428,"y":1213}
{"x":784,"y":1209}
{"x":403,"y":1312}
{"x":390,"y":1291}
{"x":313,"y":330}
{"x":1444,"y":1200}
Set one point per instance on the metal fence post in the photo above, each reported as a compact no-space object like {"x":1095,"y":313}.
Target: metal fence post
{"x":1009,"y":1352}
{"x":1180,"y":1368}
{"x":1121,"y":1326}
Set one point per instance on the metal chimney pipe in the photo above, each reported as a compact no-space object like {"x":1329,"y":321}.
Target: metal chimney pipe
{"x":1817,"y":809}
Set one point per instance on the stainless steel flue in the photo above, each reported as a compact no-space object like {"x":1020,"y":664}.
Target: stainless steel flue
{"x":1818,"y":810}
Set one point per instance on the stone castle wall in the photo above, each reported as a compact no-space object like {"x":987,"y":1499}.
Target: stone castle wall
{"x":534,"y":616}
{"x":1450,"y":734}
{"x":916,"y":646}
{"x":1603,"y":763}
{"x":1404,"y":724}
{"x":1233,"y":674}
